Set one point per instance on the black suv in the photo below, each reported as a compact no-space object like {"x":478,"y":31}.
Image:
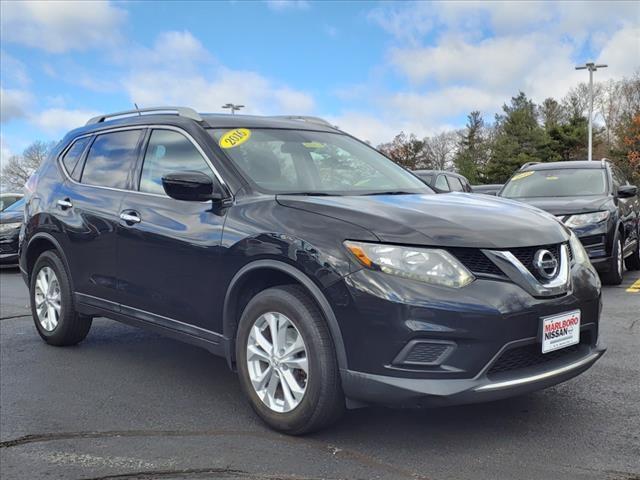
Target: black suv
{"x":324,"y":273}
{"x":595,"y":200}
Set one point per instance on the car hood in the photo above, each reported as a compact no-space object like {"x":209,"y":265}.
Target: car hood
{"x":453,"y":220}
{"x":11,"y":217}
{"x":567,"y":205}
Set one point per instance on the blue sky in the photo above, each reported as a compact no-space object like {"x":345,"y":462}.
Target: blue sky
{"x":372,"y":68}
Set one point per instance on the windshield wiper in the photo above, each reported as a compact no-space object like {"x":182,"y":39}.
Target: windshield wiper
{"x":392,"y":192}
{"x":311,"y":194}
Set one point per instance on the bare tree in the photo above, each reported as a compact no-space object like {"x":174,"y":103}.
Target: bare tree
{"x":19,"y":168}
{"x":406,"y":150}
{"x":440,"y":149}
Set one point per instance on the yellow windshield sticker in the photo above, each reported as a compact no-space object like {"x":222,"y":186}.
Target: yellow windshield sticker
{"x":233,"y":138}
{"x":521,"y":175}
{"x":313,"y":144}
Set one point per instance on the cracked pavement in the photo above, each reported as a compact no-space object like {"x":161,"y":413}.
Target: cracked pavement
{"x":129,"y":404}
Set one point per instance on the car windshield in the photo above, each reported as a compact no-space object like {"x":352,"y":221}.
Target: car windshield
{"x":309,"y":162}
{"x":16,"y":206}
{"x":561,"y":182}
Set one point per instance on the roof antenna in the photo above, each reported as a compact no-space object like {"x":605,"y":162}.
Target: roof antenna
{"x":136,"y":105}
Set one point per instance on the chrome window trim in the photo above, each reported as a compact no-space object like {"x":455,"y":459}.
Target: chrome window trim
{"x":138,"y":127}
{"x":520,"y":275}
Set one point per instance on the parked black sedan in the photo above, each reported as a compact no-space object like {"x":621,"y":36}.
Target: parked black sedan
{"x":444,"y":182}
{"x":10,"y":222}
{"x":595,"y":200}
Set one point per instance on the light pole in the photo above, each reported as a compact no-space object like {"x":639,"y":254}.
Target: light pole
{"x":592,"y":67}
{"x":233,"y":107}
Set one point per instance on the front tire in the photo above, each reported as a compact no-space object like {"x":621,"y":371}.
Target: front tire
{"x":52,"y":305}
{"x":616,"y":265}
{"x":286,"y":361}
{"x":633,"y":262}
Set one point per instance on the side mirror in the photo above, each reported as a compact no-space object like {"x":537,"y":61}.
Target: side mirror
{"x":192,"y":186}
{"x":627,"y":191}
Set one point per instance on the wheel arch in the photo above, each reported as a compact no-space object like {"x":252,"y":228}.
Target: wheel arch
{"x":276,"y":273}
{"x":39,"y":243}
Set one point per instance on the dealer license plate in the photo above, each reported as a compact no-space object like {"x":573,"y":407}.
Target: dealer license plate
{"x":560,"y":331}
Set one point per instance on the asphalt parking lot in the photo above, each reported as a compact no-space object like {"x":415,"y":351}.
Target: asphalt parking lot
{"x":130,"y":404}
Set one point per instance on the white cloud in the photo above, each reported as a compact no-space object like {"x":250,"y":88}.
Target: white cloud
{"x":13,"y":70}
{"x":492,"y":62}
{"x":14,"y":104}
{"x":367,"y":127}
{"x":59,"y":26}
{"x":280,"y":5}
{"x":204,"y":83}
{"x":621,"y":53}
{"x":58,"y":121}
{"x":462,"y":56}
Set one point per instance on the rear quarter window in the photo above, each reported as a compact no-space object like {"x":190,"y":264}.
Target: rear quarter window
{"x":71,"y":159}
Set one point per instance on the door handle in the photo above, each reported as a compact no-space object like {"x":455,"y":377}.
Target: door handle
{"x":130,"y":217}
{"x":65,"y":203}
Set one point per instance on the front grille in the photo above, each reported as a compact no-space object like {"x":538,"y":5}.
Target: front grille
{"x":531,"y":356}
{"x":476,"y":261}
{"x":526,"y":255}
{"x":426,"y":352}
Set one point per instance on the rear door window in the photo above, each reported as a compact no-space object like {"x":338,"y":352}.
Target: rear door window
{"x":73,"y":155}
{"x":427,"y":178}
{"x":441,"y":183}
{"x":169,"y":152}
{"x":111,"y":158}
{"x":455,"y":184}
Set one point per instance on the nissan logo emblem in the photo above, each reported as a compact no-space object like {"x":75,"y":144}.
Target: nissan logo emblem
{"x":546,"y":263}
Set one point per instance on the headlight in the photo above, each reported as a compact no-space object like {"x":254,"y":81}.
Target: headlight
{"x":580,"y":255}
{"x":428,"y":265}
{"x":6,"y":227}
{"x":577,"y":221}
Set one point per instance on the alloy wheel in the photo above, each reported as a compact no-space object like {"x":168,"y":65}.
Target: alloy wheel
{"x":277,"y":362}
{"x":48,"y":298}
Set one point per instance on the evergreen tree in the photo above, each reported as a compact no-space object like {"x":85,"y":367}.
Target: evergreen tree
{"x":551,"y":113}
{"x":569,"y":140}
{"x":519,"y":139}
{"x":472,"y":149}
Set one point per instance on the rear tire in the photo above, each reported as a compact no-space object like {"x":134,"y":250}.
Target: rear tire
{"x":616,"y":264}
{"x":52,"y":305}
{"x":285,"y":396}
{"x":633,"y":262}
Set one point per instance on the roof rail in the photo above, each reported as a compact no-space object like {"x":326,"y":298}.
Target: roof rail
{"x":306,"y":118}
{"x":528,"y":164}
{"x":180,"y":111}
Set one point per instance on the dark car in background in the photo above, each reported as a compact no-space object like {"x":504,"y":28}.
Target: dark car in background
{"x":10,"y":222}
{"x":325,"y":274}
{"x":491,"y":189}
{"x":444,"y":182}
{"x":595,"y":200}
{"x":8,"y":199}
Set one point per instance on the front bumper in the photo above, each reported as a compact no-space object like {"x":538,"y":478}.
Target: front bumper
{"x":411,"y":392}
{"x":382,"y":316}
{"x":9,"y":248}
